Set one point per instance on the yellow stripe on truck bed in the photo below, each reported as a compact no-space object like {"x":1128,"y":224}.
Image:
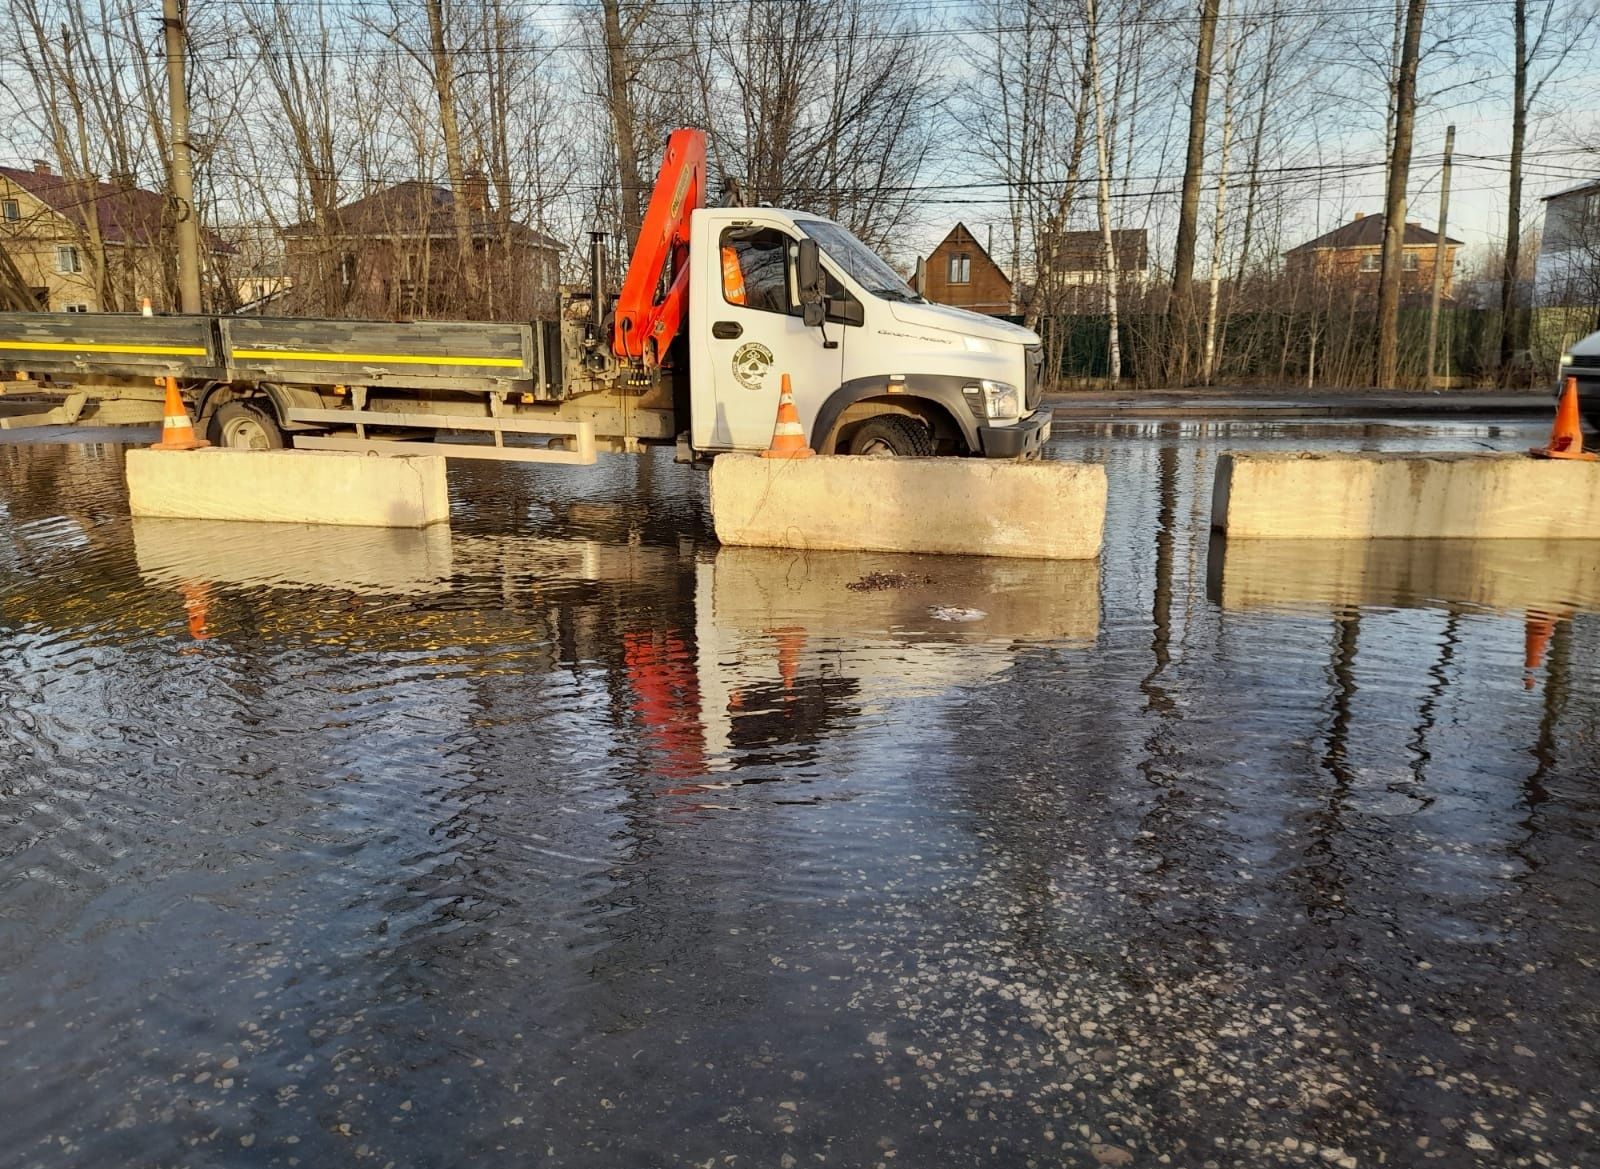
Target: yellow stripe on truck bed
{"x":377,"y":358}
{"x":77,"y":347}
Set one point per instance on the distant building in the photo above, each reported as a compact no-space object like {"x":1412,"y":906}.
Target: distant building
{"x":961,"y":273}
{"x":1568,"y":268}
{"x":1350,"y":256}
{"x":1078,"y":267}
{"x":396,"y":254}
{"x":88,"y":246}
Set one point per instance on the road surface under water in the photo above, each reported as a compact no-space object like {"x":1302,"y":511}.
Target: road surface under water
{"x":565,"y":838}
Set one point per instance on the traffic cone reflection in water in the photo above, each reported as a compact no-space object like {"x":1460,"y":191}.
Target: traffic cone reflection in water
{"x":177,"y":432}
{"x":788,"y":437}
{"x":1566,"y":437}
{"x":197,"y":609}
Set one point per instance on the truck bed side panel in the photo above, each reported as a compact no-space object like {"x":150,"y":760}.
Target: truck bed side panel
{"x":445,"y":354}
{"x":85,"y":345}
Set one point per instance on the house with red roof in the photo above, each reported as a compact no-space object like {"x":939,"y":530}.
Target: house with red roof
{"x":85,"y":245}
{"x":1350,"y":256}
{"x":398,"y":253}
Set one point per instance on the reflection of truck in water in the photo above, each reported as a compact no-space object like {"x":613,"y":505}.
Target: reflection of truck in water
{"x":716,"y":305}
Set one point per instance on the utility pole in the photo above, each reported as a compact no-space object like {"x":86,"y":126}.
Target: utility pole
{"x":1441,"y":249}
{"x":188,"y":220}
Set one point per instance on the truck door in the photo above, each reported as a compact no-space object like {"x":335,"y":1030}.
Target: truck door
{"x":757,"y":336}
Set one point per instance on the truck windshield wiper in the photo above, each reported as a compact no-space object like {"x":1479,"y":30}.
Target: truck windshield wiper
{"x":894,"y":294}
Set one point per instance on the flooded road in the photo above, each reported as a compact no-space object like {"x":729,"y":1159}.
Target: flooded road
{"x":566,"y":838}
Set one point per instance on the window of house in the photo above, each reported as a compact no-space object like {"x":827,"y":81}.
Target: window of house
{"x":1409,"y":261}
{"x":1371,"y":262}
{"x":75,"y":308}
{"x":67,"y":260}
{"x":960,"y":269}
{"x":347,"y":271}
{"x":10,"y":210}
{"x":1591,"y":210}
{"x":755,"y":268}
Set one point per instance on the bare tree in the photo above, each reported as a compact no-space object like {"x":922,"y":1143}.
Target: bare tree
{"x":1539,"y":51}
{"x":1181,"y":308}
{"x":1108,"y":248}
{"x":1390,"y":274}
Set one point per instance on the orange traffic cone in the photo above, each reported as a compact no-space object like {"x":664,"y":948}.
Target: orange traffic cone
{"x":1566,"y":437}
{"x":177,"y":432}
{"x":788,"y":439}
{"x":144,"y":307}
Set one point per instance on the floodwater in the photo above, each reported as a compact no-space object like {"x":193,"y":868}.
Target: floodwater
{"x":564,"y":838}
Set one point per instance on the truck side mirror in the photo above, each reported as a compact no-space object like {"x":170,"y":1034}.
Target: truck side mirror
{"x":808,"y":277}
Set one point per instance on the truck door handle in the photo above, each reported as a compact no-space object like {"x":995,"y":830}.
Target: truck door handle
{"x":727,"y":330}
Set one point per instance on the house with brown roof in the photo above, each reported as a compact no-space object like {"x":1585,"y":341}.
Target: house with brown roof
{"x":1076,"y":277}
{"x":397,"y":254}
{"x":961,"y":273}
{"x":82,"y":245}
{"x":1350,"y":257}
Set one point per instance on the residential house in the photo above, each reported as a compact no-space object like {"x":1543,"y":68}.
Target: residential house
{"x":86,"y":245}
{"x":1077,"y":272}
{"x":1568,"y":268}
{"x":396,"y":254}
{"x":961,"y":273}
{"x":1351,"y":257}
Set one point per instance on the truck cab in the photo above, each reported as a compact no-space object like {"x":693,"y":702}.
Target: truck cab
{"x":882,"y":372}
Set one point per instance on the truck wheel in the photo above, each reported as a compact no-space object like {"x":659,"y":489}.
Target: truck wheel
{"x":245,"y":426}
{"x":892,"y":434}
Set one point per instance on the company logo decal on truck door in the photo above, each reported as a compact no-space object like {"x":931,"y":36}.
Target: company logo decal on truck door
{"x":750,"y":364}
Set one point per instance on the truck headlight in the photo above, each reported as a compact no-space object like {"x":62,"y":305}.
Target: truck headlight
{"x":1566,"y":359}
{"x":1000,"y":399}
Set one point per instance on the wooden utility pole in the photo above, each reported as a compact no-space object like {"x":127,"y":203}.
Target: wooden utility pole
{"x":1441,"y":249}
{"x":1390,"y":275}
{"x":1108,"y":250}
{"x":187,"y":216}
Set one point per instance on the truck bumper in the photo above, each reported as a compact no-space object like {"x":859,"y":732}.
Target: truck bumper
{"x":1021,"y":440}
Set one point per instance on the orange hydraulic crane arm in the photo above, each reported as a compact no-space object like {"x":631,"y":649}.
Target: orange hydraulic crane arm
{"x":644,"y":325}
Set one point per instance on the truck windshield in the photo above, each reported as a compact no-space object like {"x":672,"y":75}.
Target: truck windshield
{"x":863,"y":265}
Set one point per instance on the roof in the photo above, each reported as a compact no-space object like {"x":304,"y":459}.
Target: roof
{"x":1084,"y":251}
{"x":415,"y":209}
{"x":1580,"y":189}
{"x":962,"y":234}
{"x":1366,"y":231}
{"x":126,"y":214}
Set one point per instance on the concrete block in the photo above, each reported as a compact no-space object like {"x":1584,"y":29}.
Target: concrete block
{"x":371,"y":561}
{"x":301,"y":487}
{"x":977,"y":507}
{"x":1365,"y":496}
{"x":1506,"y":576}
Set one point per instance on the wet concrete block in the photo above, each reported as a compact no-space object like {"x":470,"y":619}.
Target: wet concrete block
{"x":300,"y":487}
{"x":1366,"y":496}
{"x":976,"y":507}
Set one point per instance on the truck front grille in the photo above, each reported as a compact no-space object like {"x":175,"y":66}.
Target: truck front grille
{"x":1584,"y":361}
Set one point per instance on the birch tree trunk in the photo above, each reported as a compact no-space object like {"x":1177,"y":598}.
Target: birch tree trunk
{"x":1108,"y":249}
{"x":1208,"y":359}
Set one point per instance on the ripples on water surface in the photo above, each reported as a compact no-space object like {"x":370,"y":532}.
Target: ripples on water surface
{"x":565,"y":838}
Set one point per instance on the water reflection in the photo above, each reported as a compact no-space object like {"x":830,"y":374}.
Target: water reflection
{"x":570,"y":836}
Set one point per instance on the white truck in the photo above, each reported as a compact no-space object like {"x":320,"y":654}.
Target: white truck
{"x":716,"y":305}
{"x":1581,"y":361}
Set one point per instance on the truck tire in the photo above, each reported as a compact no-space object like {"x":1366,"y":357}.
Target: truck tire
{"x":245,"y":426}
{"x":891,"y":434}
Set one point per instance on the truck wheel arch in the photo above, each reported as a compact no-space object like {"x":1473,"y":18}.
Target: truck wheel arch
{"x":937,"y":400}
{"x":280,"y":398}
